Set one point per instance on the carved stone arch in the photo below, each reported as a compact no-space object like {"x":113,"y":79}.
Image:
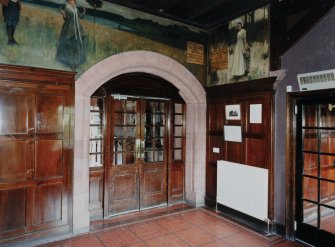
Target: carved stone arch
{"x":190,"y":90}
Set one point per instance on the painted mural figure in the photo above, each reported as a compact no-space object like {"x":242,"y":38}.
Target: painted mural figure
{"x":11,"y":13}
{"x":241,"y":51}
{"x":72,"y":42}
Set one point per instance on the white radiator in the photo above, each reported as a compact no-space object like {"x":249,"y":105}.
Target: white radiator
{"x":243,"y":188}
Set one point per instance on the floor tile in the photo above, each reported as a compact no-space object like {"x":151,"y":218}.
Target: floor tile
{"x":174,"y":223}
{"x":147,"y":230}
{"x":195,"y":227}
{"x":166,"y":241}
{"x":138,"y":245}
{"x":118,"y":237}
{"x":244,"y":239}
{"x":217,"y":243}
{"x":220,"y":230}
{"x":89,"y":241}
{"x":195,"y":236}
{"x":52,"y":245}
{"x":199,"y":217}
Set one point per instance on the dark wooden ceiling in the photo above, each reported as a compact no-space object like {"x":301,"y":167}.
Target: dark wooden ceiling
{"x":205,"y":14}
{"x":209,"y":14}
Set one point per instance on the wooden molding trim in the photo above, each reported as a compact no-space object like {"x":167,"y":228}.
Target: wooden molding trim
{"x":239,"y":88}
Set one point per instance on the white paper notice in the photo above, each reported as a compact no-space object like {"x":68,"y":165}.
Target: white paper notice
{"x":232,"y":133}
{"x":256,"y":113}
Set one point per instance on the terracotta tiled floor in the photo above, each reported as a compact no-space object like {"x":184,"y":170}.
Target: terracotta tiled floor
{"x":191,"y":227}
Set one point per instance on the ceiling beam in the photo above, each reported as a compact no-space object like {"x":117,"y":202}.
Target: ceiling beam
{"x":204,"y":7}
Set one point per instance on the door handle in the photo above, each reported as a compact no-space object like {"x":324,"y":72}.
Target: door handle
{"x":139,"y":148}
{"x":142,"y":150}
{"x":30,"y":173}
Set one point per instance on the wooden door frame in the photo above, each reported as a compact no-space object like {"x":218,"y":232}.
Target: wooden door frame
{"x":290,"y":178}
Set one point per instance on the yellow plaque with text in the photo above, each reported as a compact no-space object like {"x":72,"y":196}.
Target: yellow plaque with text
{"x":219,"y":59}
{"x":195,"y":53}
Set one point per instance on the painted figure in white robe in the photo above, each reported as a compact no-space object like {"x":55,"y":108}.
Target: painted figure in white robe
{"x":241,"y":51}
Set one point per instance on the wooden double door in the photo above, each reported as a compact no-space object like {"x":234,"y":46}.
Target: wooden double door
{"x":139,"y":155}
{"x":315,"y":212}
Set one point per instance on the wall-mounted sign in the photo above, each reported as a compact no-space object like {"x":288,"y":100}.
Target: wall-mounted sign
{"x":195,"y":53}
{"x":232,"y":133}
{"x":219,"y":59}
{"x":255,"y":113}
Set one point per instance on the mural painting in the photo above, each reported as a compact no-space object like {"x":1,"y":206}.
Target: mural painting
{"x":76,"y":34}
{"x":239,"y":50}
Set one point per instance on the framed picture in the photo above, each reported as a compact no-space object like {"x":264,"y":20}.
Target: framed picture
{"x":233,"y":112}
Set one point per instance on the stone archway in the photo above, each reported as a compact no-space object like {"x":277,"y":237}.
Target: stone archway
{"x":189,"y":88}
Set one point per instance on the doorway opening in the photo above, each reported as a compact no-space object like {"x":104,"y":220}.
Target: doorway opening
{"x":315,"y":169}
{"x":190,"y":89}
{"x":137,"y":145}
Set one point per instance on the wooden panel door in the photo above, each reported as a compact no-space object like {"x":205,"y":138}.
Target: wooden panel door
{"x":51,"y":139}
{"x":16,"y":161}
{"x":123,"y":187}
{"x":153,"y":165}
{"x":34,"y":139}
{"x":138,"y":164}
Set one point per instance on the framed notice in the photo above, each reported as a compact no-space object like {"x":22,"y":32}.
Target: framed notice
{"x":255,"y":113}
{"x":219,"y":59}
{"x":233,"y":112}
{"x":195,"y":53}
{"x":232,"y":133}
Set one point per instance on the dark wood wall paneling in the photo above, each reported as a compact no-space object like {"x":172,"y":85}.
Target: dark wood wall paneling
{"x":257,"y":138}
{"x":36,"y":152}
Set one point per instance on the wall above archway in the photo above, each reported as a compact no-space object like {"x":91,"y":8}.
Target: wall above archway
{"x":190,"y":90}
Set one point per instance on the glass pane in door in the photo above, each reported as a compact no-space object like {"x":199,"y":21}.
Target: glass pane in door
{"x":310,"y":189}
{"x":309,"y":117}
{"x":327,"y":193}
{"x":154,"y":132}
{"x":310,"y":164}
{"x":310,"y":213}
{"x":327,"y":141}
{"x":327,"y":116}
{"x":327,"y":221}
{"x":125,"y":125}
{"x":327,"y":168}
{"x":96,"y":133}
{"x":310,"y":140}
